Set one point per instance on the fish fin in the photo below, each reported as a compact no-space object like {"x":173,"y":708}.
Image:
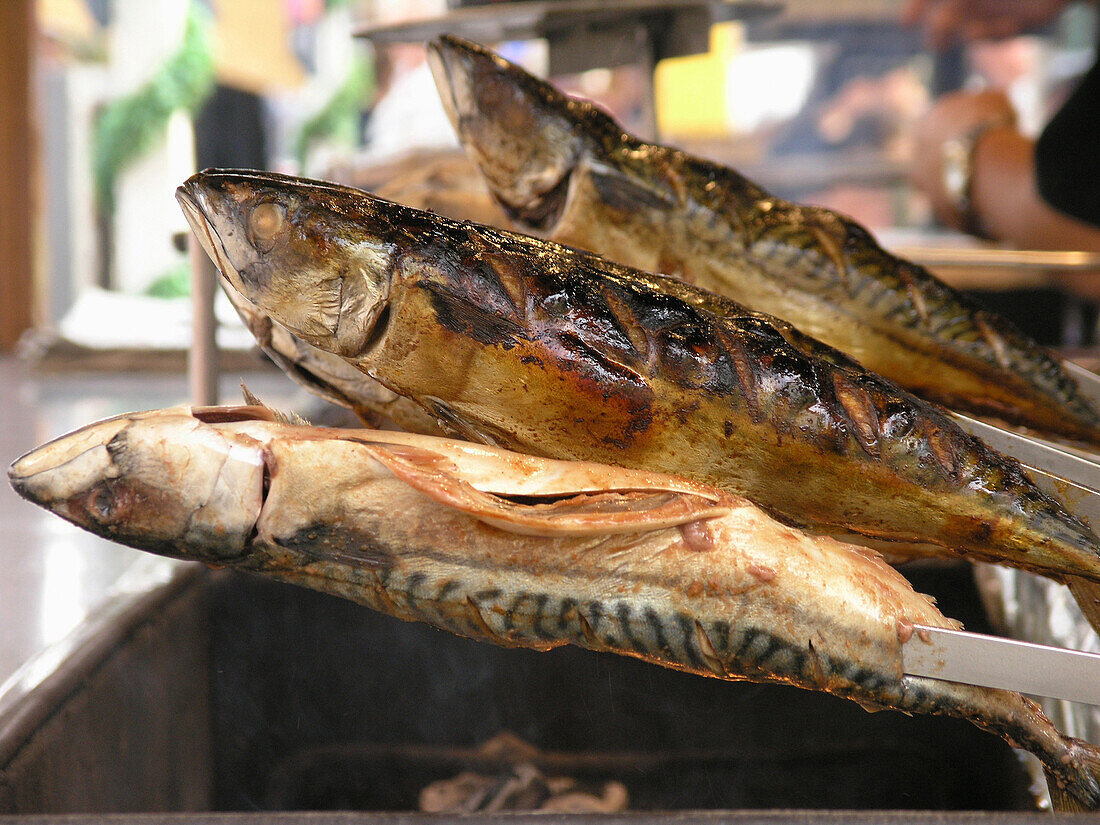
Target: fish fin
{"x":870,"y":707}
{"x":1087,"y":595}
{"x":629,"y":194}
{"x":1061,"y":800}
{"x":280,"y":416}
{"x":576,"y":514}
{"x":1087,"y":797}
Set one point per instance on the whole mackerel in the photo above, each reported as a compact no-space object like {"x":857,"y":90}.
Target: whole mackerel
{"x":563,"y":169}
{"x":525,"y":552}
{"x":553,"y":351}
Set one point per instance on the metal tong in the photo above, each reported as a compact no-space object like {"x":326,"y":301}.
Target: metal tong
{"x":1073,"y":477}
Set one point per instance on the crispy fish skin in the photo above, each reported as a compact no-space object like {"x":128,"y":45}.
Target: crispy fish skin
{"x":428,"y":530}
{"x":564,"y":169}
{"x":553,"y":351}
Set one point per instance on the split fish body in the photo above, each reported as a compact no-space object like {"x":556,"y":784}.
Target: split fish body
{"x":524,"y":552}
{"x":553,"y":351}
{"x":563,"y":169}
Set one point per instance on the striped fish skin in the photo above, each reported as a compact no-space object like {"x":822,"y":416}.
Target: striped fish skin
{"x":564,"y":169}
{"x":556,"y":352}
{"x":717,"y":588}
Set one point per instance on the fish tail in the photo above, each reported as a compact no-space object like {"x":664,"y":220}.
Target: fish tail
{"x":1087,"y":595}
{"x":1081,"y":795}
{"x":1061,"y":800}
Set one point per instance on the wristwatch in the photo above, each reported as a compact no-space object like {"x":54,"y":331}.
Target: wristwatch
{"x":957,"y":170}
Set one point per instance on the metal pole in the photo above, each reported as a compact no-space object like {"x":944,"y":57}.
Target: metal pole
{"x":202,"y":361}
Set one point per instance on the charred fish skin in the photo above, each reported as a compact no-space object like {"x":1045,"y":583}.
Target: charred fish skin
{"x":554,"y":351}
{"x":386,"y":521}
{"x":564,"y":169}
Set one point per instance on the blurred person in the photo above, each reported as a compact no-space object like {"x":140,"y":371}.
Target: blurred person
{"x":407,"y":114}
{"x":986,"y":177}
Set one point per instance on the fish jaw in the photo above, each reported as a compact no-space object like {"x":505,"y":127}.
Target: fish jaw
{"x":522,"y":133}
{"x":257,"y":226}
{"x":162,"y":483}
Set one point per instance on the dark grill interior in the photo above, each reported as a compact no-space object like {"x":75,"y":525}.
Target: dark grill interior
{"x":240,"y":694}
{"x":322,"y":704}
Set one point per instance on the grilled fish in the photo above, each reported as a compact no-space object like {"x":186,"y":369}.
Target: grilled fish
{"x":562,"y":168}
{"x":524,"y":552}
{"x":557,"y":352}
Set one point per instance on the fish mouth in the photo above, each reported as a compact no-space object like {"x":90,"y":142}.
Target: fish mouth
{"x":195,"y":205}
{"x":28,"y":470}
{"x":113,"y":478}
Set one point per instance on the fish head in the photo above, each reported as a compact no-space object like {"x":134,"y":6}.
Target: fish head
{"x":312,"y":255}
{"x":522,"y":132}
{"x":162,"y":481}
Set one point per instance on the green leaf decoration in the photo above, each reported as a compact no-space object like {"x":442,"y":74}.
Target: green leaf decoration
{"x":129,"y":126}
{"x":338,"y":119}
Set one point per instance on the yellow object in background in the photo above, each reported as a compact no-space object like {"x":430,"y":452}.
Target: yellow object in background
{"x":252,"y":46}
{"x":69,"y":21}
{"x":690,"y":92}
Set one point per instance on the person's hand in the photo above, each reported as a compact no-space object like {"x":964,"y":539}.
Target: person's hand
{"x":953,"y":116}
{"x":948,"y":21}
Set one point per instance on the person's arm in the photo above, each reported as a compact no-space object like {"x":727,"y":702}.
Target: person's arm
{"x":1003,"y":200}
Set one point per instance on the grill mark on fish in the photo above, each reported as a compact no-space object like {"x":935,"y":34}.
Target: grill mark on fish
{"x":584,"y":352}
{"x":510,"y":280}
{"x":746,"y":377}
{"x":623,"y":317}
{"x":861,"y":412}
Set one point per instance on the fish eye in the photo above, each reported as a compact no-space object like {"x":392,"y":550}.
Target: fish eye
{"x":264,"y":224}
